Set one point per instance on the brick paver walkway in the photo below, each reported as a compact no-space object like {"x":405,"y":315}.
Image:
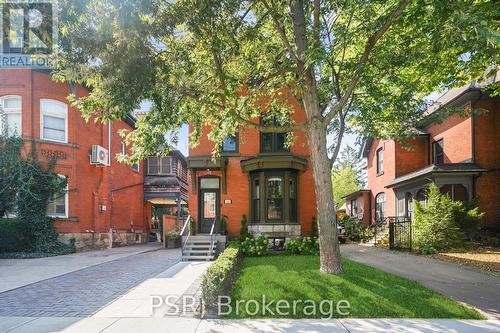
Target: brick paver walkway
{"x":81,"y":293}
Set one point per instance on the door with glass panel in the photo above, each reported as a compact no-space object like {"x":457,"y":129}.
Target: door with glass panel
{"x":209,"y":196}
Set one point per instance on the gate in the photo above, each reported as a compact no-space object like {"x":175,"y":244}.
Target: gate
{"x":400,"y":233}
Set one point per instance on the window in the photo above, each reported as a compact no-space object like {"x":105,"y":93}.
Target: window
{"x":380,"y":161}
{"x":354,"y":207}
{"x":255,"y":199}
{"x":272,"y":142}
{"x":274,"y":196}
{"x":409,"y":204}
{"x":58,"y":204}
{"x":380,"y":207}
{"x":159,"y":165}
{"x":209,"y":183}
{"x":292,"y":189}
{"x":123,"y":148}
{"x":230,"y":144}
{"x":437,"y":152}
{"x":53,"y":120}
{"x":11,"y":120}
{"x":422,"y":196}
{"x":135,"y":167}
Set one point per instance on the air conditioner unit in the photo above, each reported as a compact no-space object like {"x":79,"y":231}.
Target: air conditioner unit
{"x":99,"y":156}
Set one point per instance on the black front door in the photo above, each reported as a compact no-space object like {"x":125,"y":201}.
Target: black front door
{"x":209,"y":209}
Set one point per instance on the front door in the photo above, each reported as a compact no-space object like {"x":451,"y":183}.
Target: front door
{"x":209,"y":209}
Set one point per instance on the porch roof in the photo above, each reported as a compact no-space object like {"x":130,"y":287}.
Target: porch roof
{"x":436,"y":170}
{"x":274,"y":161}
{"x":355,"y":193}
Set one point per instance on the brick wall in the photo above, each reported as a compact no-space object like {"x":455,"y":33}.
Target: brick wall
{"x":88,"y":185}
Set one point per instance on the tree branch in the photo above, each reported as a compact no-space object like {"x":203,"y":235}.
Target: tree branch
{"x":370,"y":44}
{"x":282,"y":32}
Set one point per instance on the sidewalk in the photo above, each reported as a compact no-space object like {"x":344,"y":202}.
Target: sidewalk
{"x":15,"y":273}
{"x":188,"y":325}
{"x":461,"y":283}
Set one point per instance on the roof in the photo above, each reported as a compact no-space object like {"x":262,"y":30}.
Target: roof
{"x":433,"y":169}
{"x":356,"y":193}
{"x":453,"y":97}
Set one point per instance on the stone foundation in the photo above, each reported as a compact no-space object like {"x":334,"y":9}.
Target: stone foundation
{"x":275,"y":230}
{"x":88,"y":240}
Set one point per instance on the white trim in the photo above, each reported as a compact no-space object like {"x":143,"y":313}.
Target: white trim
{"x":54,"y":114}
{"x":66,"y":201}
{"x":12,"y":110}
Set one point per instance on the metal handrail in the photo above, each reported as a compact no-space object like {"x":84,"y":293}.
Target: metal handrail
{"x":182,"y":232}
{"x":212,"y":235}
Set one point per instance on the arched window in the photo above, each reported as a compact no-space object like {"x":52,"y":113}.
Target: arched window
{"x":380,"y":206}
{"x":53,"y":120}
{"x":11,"y":119}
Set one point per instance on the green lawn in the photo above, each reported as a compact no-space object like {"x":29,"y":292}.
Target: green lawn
{"x":371,"y":293}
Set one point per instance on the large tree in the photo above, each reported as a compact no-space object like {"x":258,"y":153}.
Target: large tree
{"x":214,"y":62}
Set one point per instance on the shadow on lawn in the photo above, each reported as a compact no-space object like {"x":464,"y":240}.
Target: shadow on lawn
{"x":370,"y":292}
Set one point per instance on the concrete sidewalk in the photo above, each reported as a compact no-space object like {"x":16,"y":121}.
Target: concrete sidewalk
{"x":15,"y":273}
{"x":189,"y":325}
{"x":471,"y":286}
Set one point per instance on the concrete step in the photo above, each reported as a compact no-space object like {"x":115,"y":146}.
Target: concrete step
{"x":198,"y":258}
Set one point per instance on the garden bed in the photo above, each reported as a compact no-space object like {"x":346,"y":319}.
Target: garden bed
{"x":485,"y":258}
{"x":371,"y":293}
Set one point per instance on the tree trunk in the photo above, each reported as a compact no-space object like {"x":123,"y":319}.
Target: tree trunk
{"x":327,"y":228}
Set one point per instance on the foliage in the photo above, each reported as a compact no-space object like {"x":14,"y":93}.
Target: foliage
{"x":29,"y":184}
{"x":14,"y":235}
{"x":244,"y":234}
{"x":371,"y":293}
{"x":442,"y":222}
{"x":350,"y":157}
{"x":344,"y":182}
{"x":427,"y":249}
{"x":223,"y":224}
{"x":192,"y":226}
{"x":255,"y":246}
{"x":218,"y":277}
{"x":354,"y":230}
{"x":220,"y":65}
{"x":173,"y":234}
{"x":302,"y":246}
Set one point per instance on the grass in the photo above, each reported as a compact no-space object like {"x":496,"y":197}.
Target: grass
{"x":371,"y":293}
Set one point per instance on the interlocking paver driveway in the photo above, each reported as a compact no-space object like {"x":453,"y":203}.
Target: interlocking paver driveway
{"x":81,"y":293}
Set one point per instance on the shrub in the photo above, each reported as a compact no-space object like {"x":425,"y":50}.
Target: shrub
{"x":255,"y":247}
{"x":442,"y":223}
{"x":427,"y":249}
{"x":314,"y":227}
{"x":244,"y":234}
{"x":218,"y":278}
{"x":192,"y":226}
{"x":14,"y":235}
{"x":354,"y":230}
{"x":223,"y":225}
{"x":302,"y":246}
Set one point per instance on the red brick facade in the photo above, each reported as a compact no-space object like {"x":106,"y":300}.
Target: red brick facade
{"x":99,"y":198}
{"x":235,"y":200}
{"x":470,"y":162}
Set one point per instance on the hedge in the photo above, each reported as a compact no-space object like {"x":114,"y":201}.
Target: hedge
{"x":14,"y":235}
{"x":218,"y":278}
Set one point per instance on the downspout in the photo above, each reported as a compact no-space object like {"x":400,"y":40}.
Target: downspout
{"x":110,"y":195}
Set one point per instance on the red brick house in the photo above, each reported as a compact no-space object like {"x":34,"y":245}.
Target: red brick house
{"x":100,"y":197}
{"x":256,"y":176}
{"x":460,"y":154}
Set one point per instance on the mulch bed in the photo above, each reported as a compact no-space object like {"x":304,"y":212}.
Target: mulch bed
{"x":485,"y":258}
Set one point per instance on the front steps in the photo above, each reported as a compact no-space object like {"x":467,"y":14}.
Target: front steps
{"x":199,"y":248}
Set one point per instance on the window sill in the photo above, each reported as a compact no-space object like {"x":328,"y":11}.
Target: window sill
{"x":230,"y":154}
{"x":65,"y":219}
{"x":59,"y":143}
{"x":380,"y":174}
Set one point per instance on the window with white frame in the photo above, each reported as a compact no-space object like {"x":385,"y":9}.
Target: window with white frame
{"x":58,"y":204}
{"x":123,"y":148}
{"x":11,"y":115}
{"x":53,"y":120}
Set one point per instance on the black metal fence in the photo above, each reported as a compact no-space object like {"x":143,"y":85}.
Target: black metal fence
{"x":400,"y":232}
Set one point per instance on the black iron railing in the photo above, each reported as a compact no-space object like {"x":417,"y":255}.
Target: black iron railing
{"x":400,"y":233}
